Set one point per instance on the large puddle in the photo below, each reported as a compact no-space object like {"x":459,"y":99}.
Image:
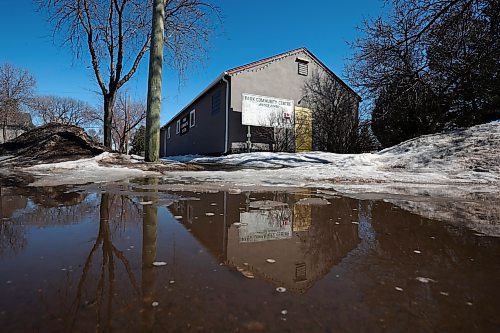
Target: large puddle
{"x":125,"y":257}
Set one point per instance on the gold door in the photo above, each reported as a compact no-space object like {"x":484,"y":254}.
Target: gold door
{"x":303,"y":129}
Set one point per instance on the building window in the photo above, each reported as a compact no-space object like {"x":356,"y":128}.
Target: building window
{"x":303,"y":66}
{"x":168,"y":132}
{"x":216,"y":102}
{"x":178,"y":127}
{"x":192,"y":118}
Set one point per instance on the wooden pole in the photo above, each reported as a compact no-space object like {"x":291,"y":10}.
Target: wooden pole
{"x":152,"y":149}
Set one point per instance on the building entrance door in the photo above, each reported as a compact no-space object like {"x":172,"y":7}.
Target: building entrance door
{"x":303,"y":129}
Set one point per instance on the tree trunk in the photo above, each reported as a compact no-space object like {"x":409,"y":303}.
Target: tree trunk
{"x":109,"y":103}
{"x":154,"y":84}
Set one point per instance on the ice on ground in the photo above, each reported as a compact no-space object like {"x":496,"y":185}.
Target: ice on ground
{"x":105,"y":167}
{"x":181,"y":158}
{"x":86,"y":170}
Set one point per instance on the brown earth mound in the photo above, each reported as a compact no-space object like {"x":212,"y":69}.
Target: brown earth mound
{"x":51,"y":143}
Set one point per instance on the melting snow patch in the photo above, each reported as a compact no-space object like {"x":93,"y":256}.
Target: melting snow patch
{"x":424,"y":279}
{"x":159,"y":263}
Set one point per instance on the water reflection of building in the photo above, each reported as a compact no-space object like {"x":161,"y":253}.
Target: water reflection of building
{"x":306,"y":241}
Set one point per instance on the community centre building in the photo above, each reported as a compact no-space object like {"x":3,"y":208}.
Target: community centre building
{"x":241,"y":109}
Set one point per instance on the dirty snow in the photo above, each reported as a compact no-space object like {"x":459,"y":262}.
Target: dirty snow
{"x":86,"y":170}
{"x":468,"y":157}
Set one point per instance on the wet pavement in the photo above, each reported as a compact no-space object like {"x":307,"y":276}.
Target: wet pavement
{"x":128,"y":258}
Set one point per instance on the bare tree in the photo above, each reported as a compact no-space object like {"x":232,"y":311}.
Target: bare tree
{"x":335,"y":113}
{"x":16,"y":89}
{"x":428,"y":65}
{"x":127,"y":116}
{"x":117,"y":33}
{"x":275,"y":130}
{"x":384,"y":54}
{"x":63,"y":110}
{"x":138,"y":141}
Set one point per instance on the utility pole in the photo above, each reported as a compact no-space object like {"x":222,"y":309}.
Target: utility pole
{"x":152,"y":147}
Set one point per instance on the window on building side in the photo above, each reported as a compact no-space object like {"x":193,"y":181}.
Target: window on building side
{"x":178,"y":127}
{"x":192,"y":118}
{"x":303,"y":66}
{"x":168,"y":132}
{"x":216,"y":102}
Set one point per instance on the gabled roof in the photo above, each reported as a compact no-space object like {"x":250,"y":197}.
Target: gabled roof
{"x":239,"y":69}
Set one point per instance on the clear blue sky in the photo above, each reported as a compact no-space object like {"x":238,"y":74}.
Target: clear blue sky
{"x":251,"y":30}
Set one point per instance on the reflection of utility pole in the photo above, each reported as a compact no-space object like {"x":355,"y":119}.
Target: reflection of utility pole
{"x":247,"y":201}
{"x":249,"y":141}
{"x":149,"y":233}
{"x":1,"y":203}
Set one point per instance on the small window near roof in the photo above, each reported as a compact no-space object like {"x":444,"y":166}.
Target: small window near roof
{"x":303,"y":66}
{"x":216,"y":102}
{"x":178,"y":127}
{"x":168,"y":132}
{"x":192,"y":118}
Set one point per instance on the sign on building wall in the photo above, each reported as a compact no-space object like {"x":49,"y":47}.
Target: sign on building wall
{"x":266,"y":111}
{"x":260,"y":226}
{"x":184,"y":125}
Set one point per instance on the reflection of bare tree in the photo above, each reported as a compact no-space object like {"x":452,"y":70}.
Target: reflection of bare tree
{"x":105,"y":291}
{"x":12,"y":238}
{"x":12,"y":235}
{"x":326,"y":242}
{"x":279,"y":217}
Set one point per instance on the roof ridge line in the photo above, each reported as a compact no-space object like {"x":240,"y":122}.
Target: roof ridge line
{"x":252,"y":64}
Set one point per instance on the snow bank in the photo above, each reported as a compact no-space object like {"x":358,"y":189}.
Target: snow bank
{"x":467,"y":157}
{"x":473,"y":149}
{"x":86,"y":170}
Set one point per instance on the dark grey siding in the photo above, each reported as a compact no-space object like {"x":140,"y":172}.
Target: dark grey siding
{"x":163,"y":147}
{"x":207,"y":136}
